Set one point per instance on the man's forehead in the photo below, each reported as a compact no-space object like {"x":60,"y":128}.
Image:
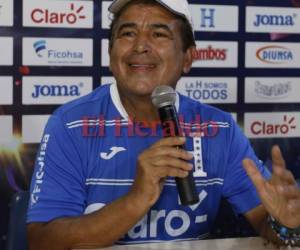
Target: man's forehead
{"x":135,"y":11}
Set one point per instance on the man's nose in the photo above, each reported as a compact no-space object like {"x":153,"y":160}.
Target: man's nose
{"x":142,"y":44}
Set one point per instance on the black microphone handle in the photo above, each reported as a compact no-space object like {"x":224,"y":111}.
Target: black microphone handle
{"x":186,"y":186}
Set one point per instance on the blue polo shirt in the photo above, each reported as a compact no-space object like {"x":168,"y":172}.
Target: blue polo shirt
{"x":88,"y":156}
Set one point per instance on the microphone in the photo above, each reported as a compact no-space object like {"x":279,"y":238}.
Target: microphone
{"x":163,"y":98}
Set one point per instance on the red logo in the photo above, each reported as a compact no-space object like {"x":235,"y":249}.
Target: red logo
{"x":265,"y":128}
{"x":209,"y":54}
{"x":46,"y":16}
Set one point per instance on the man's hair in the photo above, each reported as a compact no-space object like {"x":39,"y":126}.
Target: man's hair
{"x":186,"y":31}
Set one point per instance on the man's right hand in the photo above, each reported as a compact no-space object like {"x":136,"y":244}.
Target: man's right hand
{"x":161,"y":160}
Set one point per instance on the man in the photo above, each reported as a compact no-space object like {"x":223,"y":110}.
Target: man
{"x":99,"y":180}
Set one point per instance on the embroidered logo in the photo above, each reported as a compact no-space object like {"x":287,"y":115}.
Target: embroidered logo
{"x":112,"y":153}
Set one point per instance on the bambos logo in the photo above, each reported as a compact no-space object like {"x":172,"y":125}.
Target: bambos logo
{"x":39,"y":46}
{"x":274,"y":20}
{"x":210,"y":53}
{"x":274,"y":54}
{"x":56,"y":90}
{"x":39,"y":15}
{"x":272,"y":91}
{"x":271,"y":128}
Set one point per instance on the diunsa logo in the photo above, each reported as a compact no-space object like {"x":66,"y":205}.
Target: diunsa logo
{"x":274,"y":54}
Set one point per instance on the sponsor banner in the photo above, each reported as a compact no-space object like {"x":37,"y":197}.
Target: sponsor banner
{"x":213,"y":54}
{"x":54,"y":90}
{"x":53,"y":13}
{"x":220,"y":18}
{"x":57,"y":51}
{"x":107,"y":80}
{"x":6,"y":50}
{"x":272,"y":55}
{"x":272,"y":125}
{"x":6,"y":12}
{"x":6,"y":95}
{"x":6,"y":129}
{"x":106,"y":15}
{"x":104,"y":53}
{"x":272,"y":90}
{"x":33,"y":127}
{"x":209,"y":89}
{"x":272,"y":19}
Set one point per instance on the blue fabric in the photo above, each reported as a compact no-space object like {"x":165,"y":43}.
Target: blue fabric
{"x":85,"y":162}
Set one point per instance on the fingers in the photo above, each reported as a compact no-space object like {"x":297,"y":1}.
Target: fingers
{"x":170,"y":151}
{"x":172,"y":162}
{"x":288,"y":191}
{"x":254,"y":174}
{"x":170,"y":141}
{"x":277,"y":159}
{"x":284,"y":175}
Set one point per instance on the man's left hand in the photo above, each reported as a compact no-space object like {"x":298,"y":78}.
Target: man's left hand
{"x":280,"y":195}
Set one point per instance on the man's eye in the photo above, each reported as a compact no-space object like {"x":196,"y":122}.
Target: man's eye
{"x":159,"y":34}
{"x":127,"y":34}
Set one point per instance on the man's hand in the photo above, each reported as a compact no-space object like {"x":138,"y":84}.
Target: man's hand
{"x":280,"y":196}
{"x":161,"y":160}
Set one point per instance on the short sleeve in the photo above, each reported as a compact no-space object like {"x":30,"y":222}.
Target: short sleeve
{"x":57,"y":185}
{"x":238,"y":188}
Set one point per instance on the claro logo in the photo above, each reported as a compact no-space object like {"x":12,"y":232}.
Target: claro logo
{"x":274,"y":54}
{"x":266,"y":128}
{"x":209,"y":54}
{"x":40,"y":15}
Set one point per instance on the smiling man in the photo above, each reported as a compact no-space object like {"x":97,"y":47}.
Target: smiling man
{"x":93,"y":188}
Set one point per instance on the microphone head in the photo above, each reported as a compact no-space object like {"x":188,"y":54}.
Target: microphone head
{"x":163,"y":95}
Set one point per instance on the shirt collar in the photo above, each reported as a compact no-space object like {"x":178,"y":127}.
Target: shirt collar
{"x":114,"y":94}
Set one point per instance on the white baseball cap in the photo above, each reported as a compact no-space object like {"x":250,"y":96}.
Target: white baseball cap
{"x":178,"y":7}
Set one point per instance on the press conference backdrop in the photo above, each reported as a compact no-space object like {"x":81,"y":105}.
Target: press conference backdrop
{"x":53,"y":51}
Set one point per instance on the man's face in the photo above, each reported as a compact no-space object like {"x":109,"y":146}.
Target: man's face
{"x":147,"y":50}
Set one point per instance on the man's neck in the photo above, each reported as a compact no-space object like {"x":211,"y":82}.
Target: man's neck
{"x":139,"y":108}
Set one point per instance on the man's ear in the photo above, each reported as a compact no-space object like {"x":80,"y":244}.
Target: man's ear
{"x":188,"y":59}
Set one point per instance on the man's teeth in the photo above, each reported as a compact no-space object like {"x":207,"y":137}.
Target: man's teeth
{"x":142,"y":65}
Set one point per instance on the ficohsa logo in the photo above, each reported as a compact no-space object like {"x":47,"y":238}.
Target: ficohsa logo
{"x":71,"y":16}
{"x":274,"y":20}
{"x":40,"y":46}
{"x":56,"y":90}
{"x":271,"y":128}
{"x":209,"y":54}
{"x":274,"y":54}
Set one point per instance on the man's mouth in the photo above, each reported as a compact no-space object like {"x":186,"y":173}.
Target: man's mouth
{"x":135,"y":66}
